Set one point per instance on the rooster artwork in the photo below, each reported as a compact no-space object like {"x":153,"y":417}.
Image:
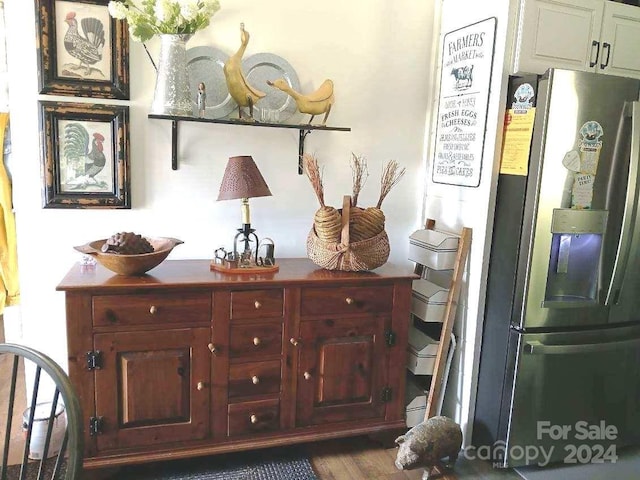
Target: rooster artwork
{"x":84,"y":160}
{"x":86,"y":46}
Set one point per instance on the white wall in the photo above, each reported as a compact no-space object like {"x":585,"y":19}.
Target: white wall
{"x":456,"y":207}
{"x":378,"y":54}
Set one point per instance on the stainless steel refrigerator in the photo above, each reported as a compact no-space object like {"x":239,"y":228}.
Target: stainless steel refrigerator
{"x":560,"y":355}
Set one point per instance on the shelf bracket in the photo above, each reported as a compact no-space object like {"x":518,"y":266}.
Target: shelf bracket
{"x":303,"y":135}
{"x":174,"y":145}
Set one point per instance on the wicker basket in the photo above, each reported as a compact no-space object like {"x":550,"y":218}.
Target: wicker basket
{"x":351,"y":257}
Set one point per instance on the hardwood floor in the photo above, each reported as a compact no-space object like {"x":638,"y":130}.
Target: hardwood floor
{"x":360,"y":458}
{"x":357,"y":458}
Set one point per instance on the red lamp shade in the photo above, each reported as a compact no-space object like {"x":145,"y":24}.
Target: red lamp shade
{"x":242,"y":179}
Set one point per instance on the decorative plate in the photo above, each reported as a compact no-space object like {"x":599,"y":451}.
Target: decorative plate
{"x":259,"y":68}
{"x":205,"y":64}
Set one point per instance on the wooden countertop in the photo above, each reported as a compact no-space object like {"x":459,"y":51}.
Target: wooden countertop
{"x":197,"y":273}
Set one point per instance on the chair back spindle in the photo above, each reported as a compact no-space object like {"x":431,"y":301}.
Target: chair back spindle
{"x":67,"y":464}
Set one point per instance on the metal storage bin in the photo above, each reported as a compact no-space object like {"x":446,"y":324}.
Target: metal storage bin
{"x":421,"y":352}
{"x":433,"y":248}
{"x":428,"y":300}
{"x":416,"y":404}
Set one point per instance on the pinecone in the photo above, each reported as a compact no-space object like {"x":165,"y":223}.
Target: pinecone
{"x":127,"y":243}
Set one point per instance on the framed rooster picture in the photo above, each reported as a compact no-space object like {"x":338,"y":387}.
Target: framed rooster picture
{"x":85,"y":155}
{"x":82,"y":50}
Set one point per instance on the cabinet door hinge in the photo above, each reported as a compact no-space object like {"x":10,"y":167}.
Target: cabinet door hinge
{"x":95,"y":425}
{"x":94,"y":360}
{"x":387,"y":394}
{"x":390,"y":337}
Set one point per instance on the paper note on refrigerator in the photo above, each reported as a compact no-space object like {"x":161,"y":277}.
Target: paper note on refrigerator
{"x":516,"y":142}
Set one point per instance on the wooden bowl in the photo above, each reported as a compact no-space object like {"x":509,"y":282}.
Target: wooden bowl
{"x":131,"y":264}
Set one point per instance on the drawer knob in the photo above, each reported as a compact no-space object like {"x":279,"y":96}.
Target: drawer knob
{"x":212,"y":348}
{"x":256,"y":341}
{"x":255,"y":380}
{"x":294,"y":342}
{"x":254,"y":419}
{"x":306,"y":375}
{"x":349,"y":300}
{"x":153,"y":310}
{"x":258,"y":305}
{"x":200,"y":386}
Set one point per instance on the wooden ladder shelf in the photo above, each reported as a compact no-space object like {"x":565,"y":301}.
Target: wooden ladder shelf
{"x":437,"y":378}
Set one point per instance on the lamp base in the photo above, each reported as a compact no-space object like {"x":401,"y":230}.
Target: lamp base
{"x":246,"y":236}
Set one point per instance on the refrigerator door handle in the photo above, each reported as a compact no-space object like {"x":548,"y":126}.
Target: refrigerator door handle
{"x":624,"y":243}
{"x":535,"y":347}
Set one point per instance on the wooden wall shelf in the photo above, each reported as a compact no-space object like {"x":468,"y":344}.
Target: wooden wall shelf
{"x":303,"y":130}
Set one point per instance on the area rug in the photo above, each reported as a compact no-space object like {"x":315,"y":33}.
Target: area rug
{"x":280,"y":464}
{"x":267,"y":465}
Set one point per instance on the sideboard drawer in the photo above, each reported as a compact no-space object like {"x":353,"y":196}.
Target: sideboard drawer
{"x":256,"y":304}
{"x":255,"y":340}
{"x":155,"y":308}
{"x":254,"y":417}
{"x":254,"y":378}
{"x":346,"y":300}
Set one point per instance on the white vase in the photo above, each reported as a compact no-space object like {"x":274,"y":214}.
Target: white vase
{"x":172,"y":95}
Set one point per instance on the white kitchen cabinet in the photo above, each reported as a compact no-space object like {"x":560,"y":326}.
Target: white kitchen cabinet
{"x":621,"y":37}
{"x":587,"y":35}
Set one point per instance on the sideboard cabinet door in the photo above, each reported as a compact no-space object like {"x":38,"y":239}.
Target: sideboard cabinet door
{"x":152,"y":387}
{"x":341,"y":370}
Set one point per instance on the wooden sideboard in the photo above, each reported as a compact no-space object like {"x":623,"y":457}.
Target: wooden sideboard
{"x":184,"y":361}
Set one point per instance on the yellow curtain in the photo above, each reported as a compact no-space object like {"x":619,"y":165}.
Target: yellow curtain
{"x":9,"y":290}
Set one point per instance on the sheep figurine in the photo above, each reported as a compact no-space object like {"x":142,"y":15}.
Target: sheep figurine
{"x":428,"y":443}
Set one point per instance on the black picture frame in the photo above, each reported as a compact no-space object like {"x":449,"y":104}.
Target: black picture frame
{"x":85,"y":155}
{"x":97,"y":69}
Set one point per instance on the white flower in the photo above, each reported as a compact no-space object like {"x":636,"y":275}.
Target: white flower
{"x":189,"y":9}
{"x":117,"y":10}
{"x":147,"y":18}
{"x":162,"y":10}
{"x":210,"y":7}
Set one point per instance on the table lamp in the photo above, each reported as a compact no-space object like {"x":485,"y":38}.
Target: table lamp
{"x":243,"y":180}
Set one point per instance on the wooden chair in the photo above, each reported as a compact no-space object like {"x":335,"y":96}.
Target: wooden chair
{"x":71,"y":448}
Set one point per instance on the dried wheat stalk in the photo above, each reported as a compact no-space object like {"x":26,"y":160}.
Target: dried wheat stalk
{"x":390,"y":177}
{"x":314,"y":174}
{"x":359,"y":174}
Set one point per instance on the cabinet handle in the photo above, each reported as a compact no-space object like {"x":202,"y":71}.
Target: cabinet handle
{"x":200,"y":386}
{"x":258,"y":305}
{"x":153,"y":310}
{"x":606,"y":46}
{"x":212,"y":348}
{"x":256,"y":341}
{"x":294,"y":342}
{"x":306,"y":375}
{"x":596,"y":44}
{"x":349,"y":300}
{"x":255,"y":380}
{"x":254,"y":419}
